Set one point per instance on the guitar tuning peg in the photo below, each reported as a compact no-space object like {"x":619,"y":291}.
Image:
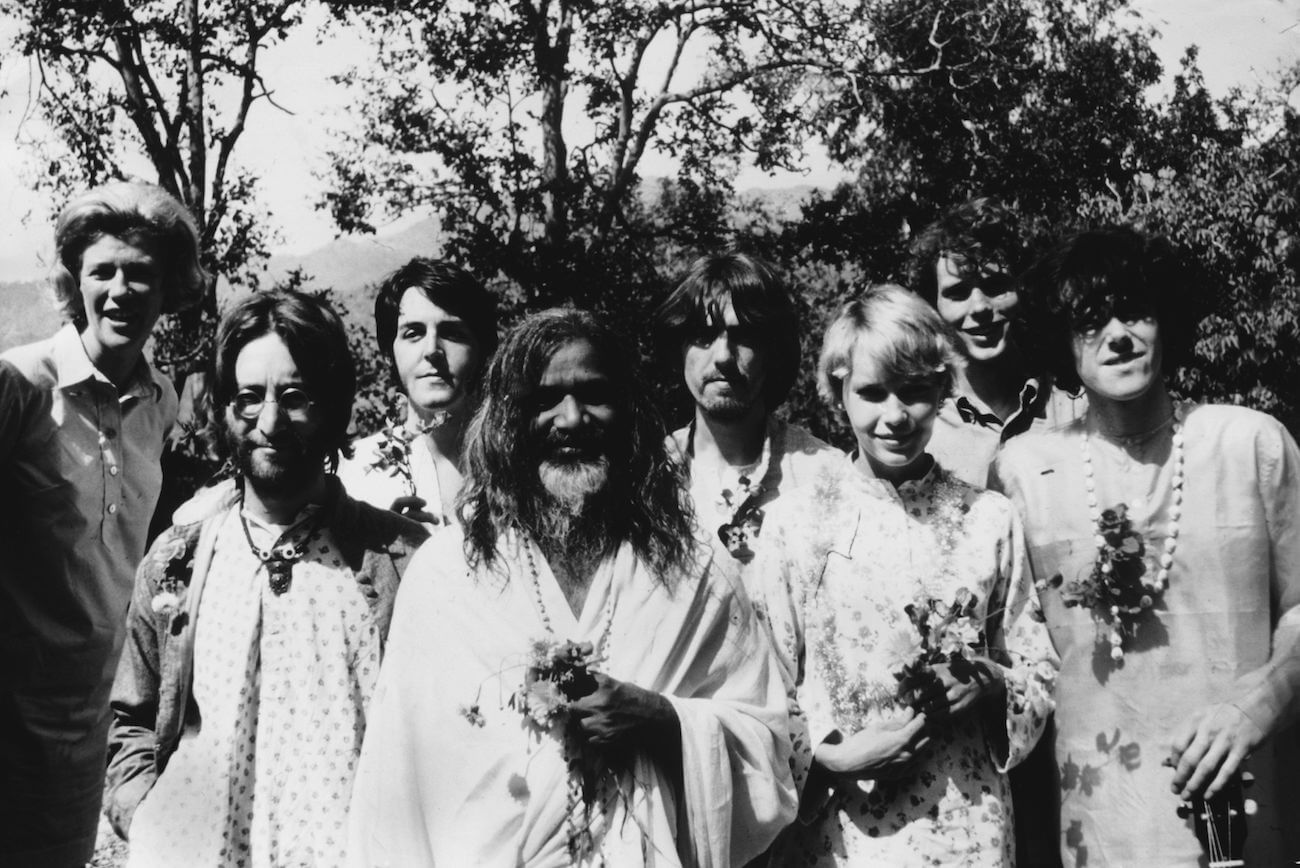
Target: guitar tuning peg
{"x":1250,"y":807}
{"x":1247,"y":779}
{"x":1184,"y":810}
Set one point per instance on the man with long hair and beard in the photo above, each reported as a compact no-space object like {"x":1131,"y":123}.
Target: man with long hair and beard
{"x":571,"y":681}
{"x":259,"y":619}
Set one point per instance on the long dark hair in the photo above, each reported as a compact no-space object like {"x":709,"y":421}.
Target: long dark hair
{"x":1113,"y":270}
{"x":761,"y":298}
{"x":502,"y":489}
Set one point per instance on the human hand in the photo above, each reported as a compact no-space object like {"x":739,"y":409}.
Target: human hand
{"x":618,"y":714}
{"x":412,"y":507}
{"x":1209,"y":747}
{"x":958,"y":687}
{"x":879,"y":750}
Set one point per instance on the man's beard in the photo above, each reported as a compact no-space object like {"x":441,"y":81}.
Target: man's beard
{"x":295,"y":467}
{"x":725,"y":409}
{"x":572,"y":511}
{"x":729,"y":407}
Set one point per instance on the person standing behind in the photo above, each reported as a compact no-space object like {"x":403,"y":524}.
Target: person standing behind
{"x":967,"y":265}
{"x":733,"y":323}
{"x":437,"y":327}
{"x":1163,"y":537}
{"x":256,"y":629}
{"x":83,"y":418}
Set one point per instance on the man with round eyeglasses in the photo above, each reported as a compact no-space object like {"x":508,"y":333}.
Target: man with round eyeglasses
{"x":259,"y":620}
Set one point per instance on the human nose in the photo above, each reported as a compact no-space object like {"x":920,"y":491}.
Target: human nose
{"x":270,"y":418}
{"x":894,"y":412}
{"x":721,"y":350}
{"x":1117,"y":336}
{"x":979,"y":303}
{"x":569,"y":413}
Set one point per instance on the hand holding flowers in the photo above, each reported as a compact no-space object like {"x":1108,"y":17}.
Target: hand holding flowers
{"x":947,"y":669}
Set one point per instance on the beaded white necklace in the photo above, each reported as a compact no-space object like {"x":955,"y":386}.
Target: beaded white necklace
{"x":1166,"y":560}
{"x":607,"y":616}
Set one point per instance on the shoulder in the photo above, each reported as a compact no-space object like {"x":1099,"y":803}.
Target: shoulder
{"x":168,"y":401}
{"x":1037,"y":448}
{"x":678,"y":444}
{"x":800,"y":441}
{"x":1236,"y":435}
{"x":382,"y":530}
{"x":173,"y":549}
{"x":978,"y":502}
{"x":1227,"y":423}
{"x":32,"y":364}
{"x":810,"y":456}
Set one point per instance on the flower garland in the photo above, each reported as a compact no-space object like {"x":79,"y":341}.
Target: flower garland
{"x":1114,"y":589}
{"x":739,"y":504}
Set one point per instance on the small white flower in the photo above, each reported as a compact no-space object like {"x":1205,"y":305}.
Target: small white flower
{"x":165,"y":601}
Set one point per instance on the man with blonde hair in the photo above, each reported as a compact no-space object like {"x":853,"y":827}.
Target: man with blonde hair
{"x":83,"y":418}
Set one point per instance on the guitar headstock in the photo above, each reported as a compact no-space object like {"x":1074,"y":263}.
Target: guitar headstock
{"x":1220,"y":822}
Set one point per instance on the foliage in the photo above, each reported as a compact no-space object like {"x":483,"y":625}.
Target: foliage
{"x":1233,"y":210}
{"x":526,"y":125}
{"x":167,"y":84}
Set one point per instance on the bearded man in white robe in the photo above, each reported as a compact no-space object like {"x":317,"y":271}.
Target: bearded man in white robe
{"x":572,"y":679}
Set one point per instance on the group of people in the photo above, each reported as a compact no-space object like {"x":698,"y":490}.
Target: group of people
{"x":1040,"y":606}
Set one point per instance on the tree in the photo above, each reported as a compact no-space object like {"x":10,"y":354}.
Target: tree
{"x":1234,"y":212}
{"x":167,"y":84}
{"x":526,"y":125}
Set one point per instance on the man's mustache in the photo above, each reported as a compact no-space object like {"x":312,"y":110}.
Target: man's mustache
{"x":586,"y":445}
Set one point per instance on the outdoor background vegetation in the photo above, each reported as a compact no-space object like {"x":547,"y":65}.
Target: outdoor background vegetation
{"x":523,"y":127}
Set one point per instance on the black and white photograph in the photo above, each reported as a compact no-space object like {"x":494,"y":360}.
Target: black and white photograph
{"x":689,"y":433}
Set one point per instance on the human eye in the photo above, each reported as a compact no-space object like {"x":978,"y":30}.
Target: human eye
{"x":594,"y":394}
{"x":456,"y":332}
{"x":916,"y":391}
{"x":1129,"y":311}
{"x":410,"y":331}
{"x":959,"y":291}
{"x":247,"y":402}
{"x":872,"y":393}
{"x":294,"y":400}
{"x":996,"y":283}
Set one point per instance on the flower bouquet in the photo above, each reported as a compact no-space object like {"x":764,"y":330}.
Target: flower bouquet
{"x":557,"y":672}
{"x":1114,"y":589}
{"x":944,"y":634}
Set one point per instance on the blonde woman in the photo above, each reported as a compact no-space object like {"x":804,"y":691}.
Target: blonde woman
{"x":910,"y":630}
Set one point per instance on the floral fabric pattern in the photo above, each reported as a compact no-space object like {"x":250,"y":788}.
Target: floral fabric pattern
{"x":872,"y":552}
{"x":282,"y":683}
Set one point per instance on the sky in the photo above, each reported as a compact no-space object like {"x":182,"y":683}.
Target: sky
{"x":1242,"y":43}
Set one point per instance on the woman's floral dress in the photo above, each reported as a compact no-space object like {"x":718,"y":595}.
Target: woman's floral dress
{"x":837,"y":610}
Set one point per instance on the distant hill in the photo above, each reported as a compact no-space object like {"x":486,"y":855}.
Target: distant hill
{"x":26,"y":313}
{"x":349,"y":266}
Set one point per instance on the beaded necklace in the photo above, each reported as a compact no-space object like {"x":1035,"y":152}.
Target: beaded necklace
{"x":1115,"y":590}
{"x":586,"y":785}
{"x":1166,"y":559}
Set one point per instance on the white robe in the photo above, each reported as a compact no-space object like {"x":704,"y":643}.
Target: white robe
{"x":436,"y":787}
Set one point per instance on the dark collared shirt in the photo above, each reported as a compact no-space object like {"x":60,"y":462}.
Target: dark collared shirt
{"x":79,"y":478}
{"x":967,"y":435}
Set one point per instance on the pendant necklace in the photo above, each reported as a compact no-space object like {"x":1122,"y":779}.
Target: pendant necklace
{"x":281,"y":557}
